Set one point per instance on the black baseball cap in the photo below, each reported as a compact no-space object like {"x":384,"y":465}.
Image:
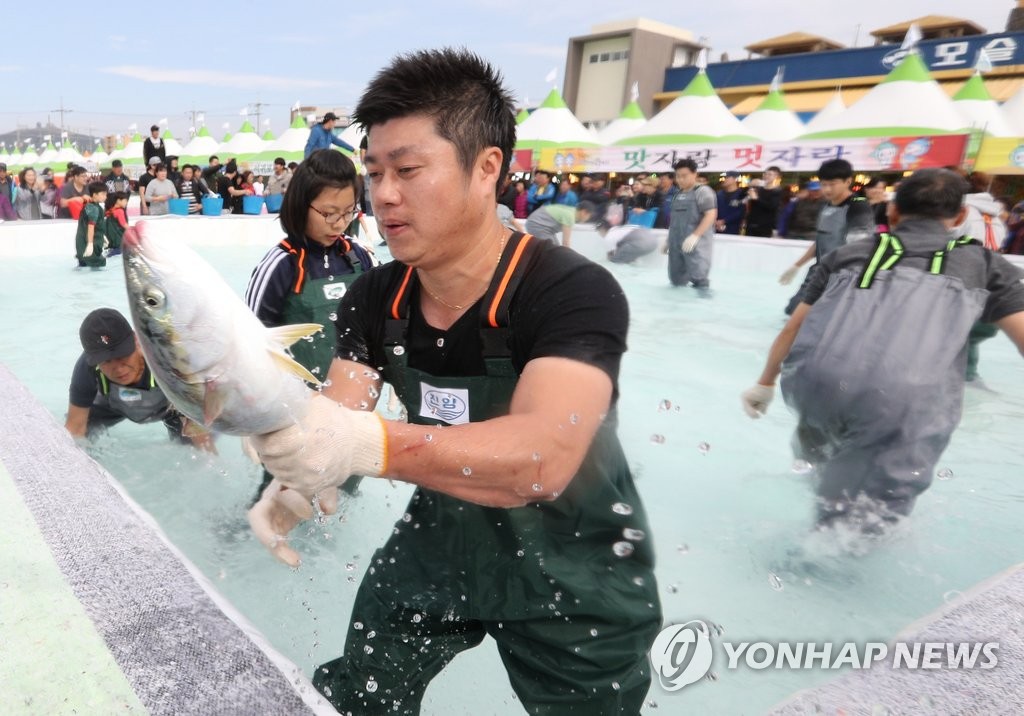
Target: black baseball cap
{"x":106,"y":335}
{"x":329,"y":116}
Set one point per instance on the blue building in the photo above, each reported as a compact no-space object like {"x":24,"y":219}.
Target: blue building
{"x":814,"y":67}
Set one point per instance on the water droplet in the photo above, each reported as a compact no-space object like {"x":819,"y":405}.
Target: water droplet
{"x":406,"y":517}
{"x":652,"y":704}
{"x":712,"y":676}
{"x":350,"y":566}
{"x":593,"y":632}
{"x":615,"y":685}
{"x":536,"y":457}
{"x":371,"y":685}
{"x":621,"y":508}
{"x":370,"y":634}
{"x":358,"y":626}
{"x":326,"y":383}
{"x":537,"y":487}
{"x":367,"y":649}
{"x":467,"y":471}
{"x":672,"y":589}
{"x":622,"y":549}
{"x":802,"y":467}
{"x":683,"y":549}
{"x":440,"y":342}
{"x":398,"y":350}
{"x":417,"y":618}
{"x":638,"y":581}
{"x":632,"y":534}
{"x":428,"y":437}
{"x":316,"y":370}
{"x":664,"y":405}
{"x":520,"y":553}
{"x":719,"y":630}
{"x":574,"y":418}
{"x":333,"y":316}
{"x":774,"y":581}
{"x":704,"y":448}
{"x":944,"y":474}
{"x":658,"y":439}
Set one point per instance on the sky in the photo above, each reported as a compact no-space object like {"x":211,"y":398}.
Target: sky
{"x":115,"y":69}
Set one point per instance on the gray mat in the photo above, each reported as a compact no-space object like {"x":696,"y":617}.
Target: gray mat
{"x":991,"y":611}
{"x":179,"y":651}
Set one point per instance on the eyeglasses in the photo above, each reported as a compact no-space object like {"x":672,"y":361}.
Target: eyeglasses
{"x":335,"y":217}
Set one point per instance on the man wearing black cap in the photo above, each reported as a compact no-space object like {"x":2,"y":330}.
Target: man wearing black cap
{"x":154,"y":146}
{"x":321,"y":136}
{"x":111,"y":382}
{"x":117,"y":180}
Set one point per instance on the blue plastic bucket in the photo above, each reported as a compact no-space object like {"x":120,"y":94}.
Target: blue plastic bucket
{"x":177,"y":206}
{"x":252,"y":204}
{"x":213,"y":205}
{"x":274,"y":202}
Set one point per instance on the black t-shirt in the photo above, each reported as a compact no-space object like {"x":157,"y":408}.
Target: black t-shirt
{"x":144,"y":181}
{"x":566,"y":307}
{"x":973,"y":264}
{"x":764,"y":210}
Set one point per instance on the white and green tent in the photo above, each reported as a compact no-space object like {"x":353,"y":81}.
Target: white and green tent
{"x":172,"y":147}
{"x":290,"y":145}
{"x":48,"y":157}
{"x":118,"y":150}
{"x":553,"y":125}
{"x":29,"y":158}
{"x":834,"y":107}
{"x":200,"y":147}
{"x":629,"y":121}
{"x":1013,"y":111}
{"x":132,"y":154}
{"x":67,"y":153}
{"x":979,"y":110}
{"x":523,"y":115}
{"x":245,"y":144}
{"x":908,"y":102}
{"x":773,"y":120}
{"x":697,"y":116}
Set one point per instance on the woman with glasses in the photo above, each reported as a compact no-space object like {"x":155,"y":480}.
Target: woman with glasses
{"x":302,"y":278}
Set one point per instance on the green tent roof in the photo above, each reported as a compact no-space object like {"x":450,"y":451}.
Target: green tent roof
{"x":227,"y":136}
{"x":298,"y":122}
{"x":973,"y":88}
{"x":247,"y":127}
{"x":554,"y":101}
{"x":632,"y":111}
{"x":775,"y":102}
{"x":910,"y":69}
{"x":523,"y":114}
{"x":203,"y":132}
{"x":268,"y":136}
{"x":700,"y":86}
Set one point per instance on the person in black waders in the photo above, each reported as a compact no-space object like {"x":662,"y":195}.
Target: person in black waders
{"x":302,"y":278}
{"x":111,"y":382}
{"x":525,"y":524}
{"x":873,"y":357}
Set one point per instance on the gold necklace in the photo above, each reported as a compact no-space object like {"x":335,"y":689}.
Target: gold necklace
{"x":456,"y":307}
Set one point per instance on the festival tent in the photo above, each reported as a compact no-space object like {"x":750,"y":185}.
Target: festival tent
{"x":132,"y":154}
{"x":834,"y":107}
{"x":979,"y":110}
{"x":553,"y":125}
{"x":118,"y":150}
{"x":629,"y":121}
{"x":291,"y":145}
{"x":245,"y":144}
{"x":695,"y":116}
{"x":29,"y":158}
{"x":67,"y":153}
{"x":353,"y":134}
{"x":268,"y":137}
{"x":773,"y":120}
{"x":199,"y":149}
{"x":1013,"y":111}
{"x":172,"y":147}
{"x":6,"y":158}
{"x":99,"y":157}
{"x":49,"y":155}
{"x":908,"y":102}
{"x":524,"y":113}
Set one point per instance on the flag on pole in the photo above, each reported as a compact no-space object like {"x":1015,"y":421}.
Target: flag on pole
{"x":295,"y":107}
{"x":226,"y":125}
{"x":634,"y":92}
{"x":552,"y":75}
{"x":776,"y":81}
{"x":702,"y":59}
{"x":912,"y":37}
{"x":244,"y":112}
{"x":163,"y":122}
{"x":984,"y":63}
{"x":201,"y":118}
{"x":63,"y":135}
{"x":132,"y":127}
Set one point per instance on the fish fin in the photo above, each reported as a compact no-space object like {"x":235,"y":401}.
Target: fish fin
{"x":286,"y":335}
{"x":292,"y":366}
{"x":213,"y":402}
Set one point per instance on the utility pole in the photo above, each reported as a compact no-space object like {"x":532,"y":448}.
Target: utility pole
{"x":193,"y":113}
{"x":62,"y":112}
{"x":258,"y":105}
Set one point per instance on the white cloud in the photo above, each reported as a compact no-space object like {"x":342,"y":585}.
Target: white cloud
{"x":211,"y":77}
{"x":9,"y":68}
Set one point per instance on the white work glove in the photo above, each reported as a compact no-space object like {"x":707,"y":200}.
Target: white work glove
{"x":277,"y":512}
{"x":788,"y":275}
{"x":690,"y":243}
{"x":756,"y":399}
{"x":323,"y":449}
{"x":88,"y":251}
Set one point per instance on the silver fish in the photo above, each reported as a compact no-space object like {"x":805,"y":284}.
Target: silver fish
{"x":214,"y":360}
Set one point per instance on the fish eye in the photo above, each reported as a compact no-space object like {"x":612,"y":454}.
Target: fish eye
{"x":153,"y":299}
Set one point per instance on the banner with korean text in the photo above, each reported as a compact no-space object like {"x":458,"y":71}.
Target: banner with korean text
{"x":873,"y":154}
